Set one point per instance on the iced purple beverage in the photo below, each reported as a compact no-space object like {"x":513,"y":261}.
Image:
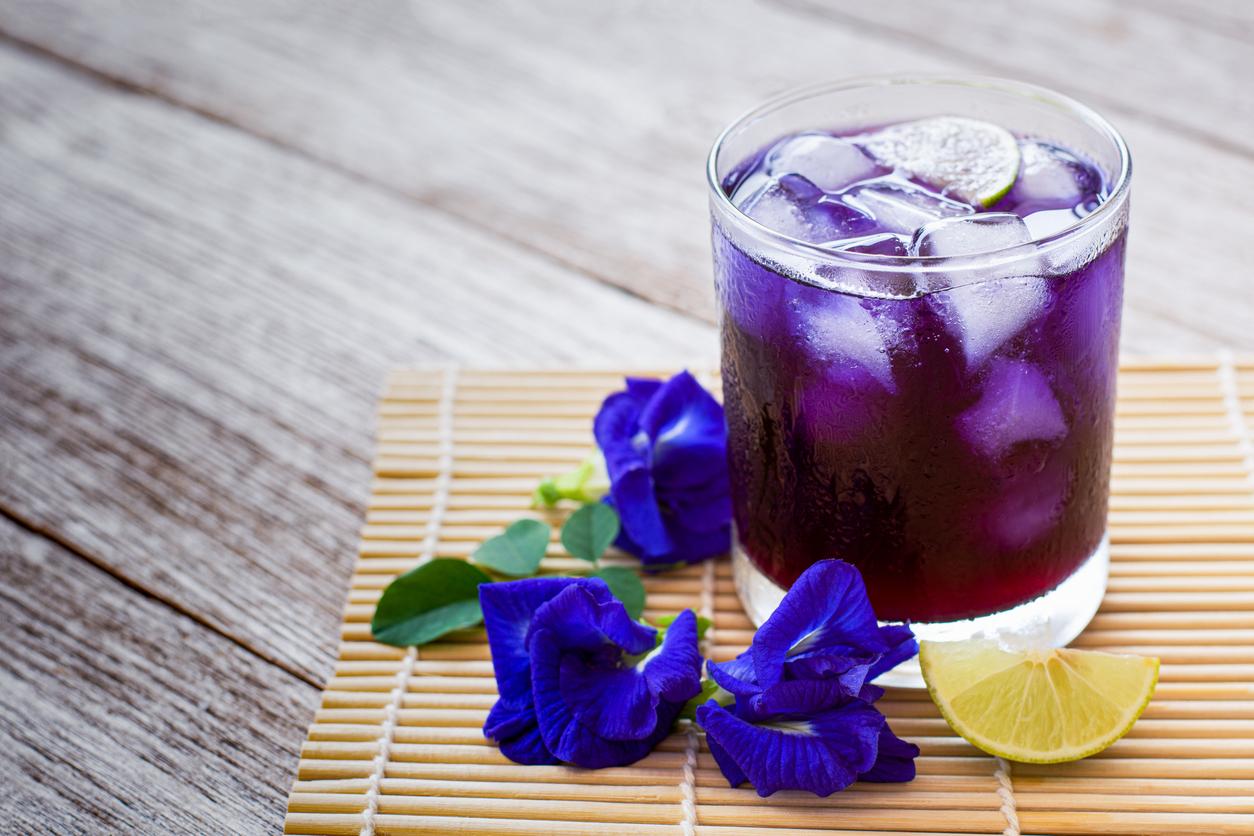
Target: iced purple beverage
{"x":920,"y":324}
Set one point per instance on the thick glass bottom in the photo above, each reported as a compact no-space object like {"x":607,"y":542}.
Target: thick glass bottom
{"x":1053,"y":619}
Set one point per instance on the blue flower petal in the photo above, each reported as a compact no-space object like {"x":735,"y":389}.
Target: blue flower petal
{"x":665,"y":452}
{"x":613,"y":702}
{"x":707,"y":508}
{"x":821,"y":753}
{"x":870,"y":694}
{"x":505,"y":721}
{"x":894,"y":760}
{"x":902,"y":645}
{"x":508,"y":609}
{"x":736,"y":676}
{"x":692,"y":546}
{"x":642,"y":521}
{"x":681,"y":413}
{"x":673,"y":671}
{"x":825,"y":611}
{"x":726,"y":764}
{"x":621,"y":703}
{"x":697,"y":465}
{"x":798,"y":698}
{"x":527,"y":747}
{"x":588,"y":620}
{"x":851,"y":670}
{"x":642,"y":389}
{"x":615,"y":428}
{"x":507,"y":612}
{"x":697,"y":508}
{"x":567,"y":738}
{"x":682,"y":546}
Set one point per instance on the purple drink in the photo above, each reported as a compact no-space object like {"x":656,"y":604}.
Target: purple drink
{"x":919,"y":354}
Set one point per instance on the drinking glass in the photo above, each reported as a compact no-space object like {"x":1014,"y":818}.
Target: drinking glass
{"x":942,"y":423}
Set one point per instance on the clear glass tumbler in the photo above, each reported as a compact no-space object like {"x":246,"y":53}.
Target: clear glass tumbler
{"x":942,"y":423}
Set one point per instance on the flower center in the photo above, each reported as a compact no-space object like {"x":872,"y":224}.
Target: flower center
{"x":789,"y":726}
{"x":640,"y":660}
{"x":805,"y":642}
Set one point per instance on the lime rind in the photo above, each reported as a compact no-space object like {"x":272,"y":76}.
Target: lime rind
{"x":969,"y":159}
{"x":976,"y":683}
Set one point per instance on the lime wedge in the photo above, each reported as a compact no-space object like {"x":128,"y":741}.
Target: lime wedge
{"x":973,"y":161}
{"x":1038,"y":706}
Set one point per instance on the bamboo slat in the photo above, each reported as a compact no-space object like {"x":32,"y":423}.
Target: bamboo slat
{"x":396,"y":746}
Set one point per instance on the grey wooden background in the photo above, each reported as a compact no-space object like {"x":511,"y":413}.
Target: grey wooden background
{"x":220,"y":223}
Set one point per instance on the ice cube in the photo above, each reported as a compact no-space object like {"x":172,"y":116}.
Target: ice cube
{"x":981,"y":233}
{"x":1051,"y":178}
{"x":749,"y":187}
{"x":1028,"y":505}
{"x":1049,"y":222}
{"x":986,"y":315}
{"x":826,"y":161}
{"x":883,"y":243}
{"x":839,"y":405}
{"x":1016,"y":405}
{"x":901,"y":207}
{"x":794,"y":206}
{"x":845,"y":386}
{"x":1088,"y":308}
{"x":837,"y":332}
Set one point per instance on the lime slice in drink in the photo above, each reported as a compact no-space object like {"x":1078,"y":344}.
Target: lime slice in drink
{"x":973,"y":161}
{"x":1037,"y":706}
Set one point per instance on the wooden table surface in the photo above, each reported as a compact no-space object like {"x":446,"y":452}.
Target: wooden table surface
{"x":220,"y":223}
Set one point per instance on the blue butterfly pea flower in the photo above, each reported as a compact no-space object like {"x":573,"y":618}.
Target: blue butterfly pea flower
{"x":579,"y":681}
{"x":820,"y":750}
{"x":665,"y":447}
{"x":507,"y":612}
{"x":804,"y":715}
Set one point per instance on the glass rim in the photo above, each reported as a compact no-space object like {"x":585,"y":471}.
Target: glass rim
{"x":872,"y":261}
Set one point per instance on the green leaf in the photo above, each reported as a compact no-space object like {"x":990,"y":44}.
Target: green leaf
{"x":626,"y":586}
{"x":590,"y":530}
{"x":518,"y":551}
{"x":710,"y":690}
{"x":428,"y":601}
{"x":665,"y":621}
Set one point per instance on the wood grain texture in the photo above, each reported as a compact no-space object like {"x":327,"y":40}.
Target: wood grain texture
{"x":220,"y":223}
{"x":118,"y":715}
{"x":1118,"y":54}
{"x":195,"y":326}
{"x":504,"y":116}
{"x":1233,"y":18}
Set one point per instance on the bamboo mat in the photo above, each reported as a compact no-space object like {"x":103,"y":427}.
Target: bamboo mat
{"x":396,"y":746}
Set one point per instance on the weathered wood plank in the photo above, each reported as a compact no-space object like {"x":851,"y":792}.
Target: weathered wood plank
{"x":118,"y":715}
{"x":194,"y":326}
{"x":581,"y":131}
{"x":1113,"y":52}
{"x":1233,"y":18}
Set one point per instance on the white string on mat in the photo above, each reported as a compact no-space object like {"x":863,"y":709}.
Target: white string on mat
{"x":688,"y":781}
{"x":439,"y":503}
{"x":707,"y":599}
{"x":688,"y":786}
{"x":1236,"y":416}
{"x":1006,"y":792}
{"x":385,"y":741}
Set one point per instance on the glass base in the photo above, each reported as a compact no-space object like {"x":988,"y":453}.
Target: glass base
{"x":1052,"y":620}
